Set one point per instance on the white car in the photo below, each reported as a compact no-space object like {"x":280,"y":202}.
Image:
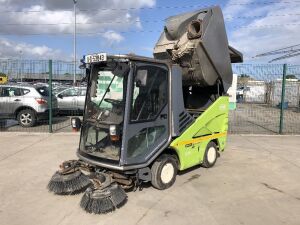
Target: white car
{"x":25,"y":103}
{"x":241,"y":90}
{"x":71,"y":99}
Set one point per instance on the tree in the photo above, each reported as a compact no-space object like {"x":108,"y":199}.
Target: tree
{"x":243,"y":79}
{"x":244,"y":76}
{"x":291,"y":76}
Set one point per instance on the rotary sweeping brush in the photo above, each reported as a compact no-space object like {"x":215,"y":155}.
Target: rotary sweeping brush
{"x":69,"y":180}
{"x":104,"y":196}
{"x":68,"y":184}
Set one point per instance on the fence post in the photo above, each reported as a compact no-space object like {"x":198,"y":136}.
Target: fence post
{"x":50,"y":96}
{"x":282,"y":98}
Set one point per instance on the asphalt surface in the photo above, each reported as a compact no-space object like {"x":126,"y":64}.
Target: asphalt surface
{"x":59,"y":124}
{"x":255,"y":181}
{"x":263,"y":119}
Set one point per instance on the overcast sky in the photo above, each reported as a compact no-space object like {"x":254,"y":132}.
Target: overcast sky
{"x":43,"y":29}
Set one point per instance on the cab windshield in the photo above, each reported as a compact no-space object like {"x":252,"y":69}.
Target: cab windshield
{"x":109,"y":93}
{"x":103,"y":121}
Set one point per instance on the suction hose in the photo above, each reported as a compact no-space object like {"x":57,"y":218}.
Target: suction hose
{"x":194,"y":29}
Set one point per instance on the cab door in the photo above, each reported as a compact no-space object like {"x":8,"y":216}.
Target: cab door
{"x":147,"y":122}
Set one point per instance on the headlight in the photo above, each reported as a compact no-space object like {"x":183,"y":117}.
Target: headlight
{"x":75,"y":123}
{"x":113,"y":133}
{"x":112,"y":130}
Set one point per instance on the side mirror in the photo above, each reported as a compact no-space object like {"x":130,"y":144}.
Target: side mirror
{"x":75,"y":123}
{"x":82,"y":63}
{"x":141,"y":78}
{"x":60,"y":96}
{"x":121,"y":69}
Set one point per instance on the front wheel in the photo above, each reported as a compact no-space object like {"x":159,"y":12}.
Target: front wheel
{"x":164,"y":171}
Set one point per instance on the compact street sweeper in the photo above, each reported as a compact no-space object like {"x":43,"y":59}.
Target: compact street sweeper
{"x":147,"y":118}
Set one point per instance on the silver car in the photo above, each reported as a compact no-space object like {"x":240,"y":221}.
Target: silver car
{"x":71,"y":99}
{"x":25,"y":103}
{"x":58,"y":89}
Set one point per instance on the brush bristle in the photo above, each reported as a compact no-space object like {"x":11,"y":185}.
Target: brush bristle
{"x":68,"y":184}
{"x":103,"y":201}
{"x":118,"y":196}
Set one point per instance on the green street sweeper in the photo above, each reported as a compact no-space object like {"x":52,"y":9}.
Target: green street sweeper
{"x":145,"y":119}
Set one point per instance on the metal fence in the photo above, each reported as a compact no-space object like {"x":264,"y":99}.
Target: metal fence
{"x":25,"y":74}
{"x":260,"y":91}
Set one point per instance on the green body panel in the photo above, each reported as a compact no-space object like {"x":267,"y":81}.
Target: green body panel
{"x":212,"y":124}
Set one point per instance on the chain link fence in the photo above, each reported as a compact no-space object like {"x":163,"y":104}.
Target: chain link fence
{"x":260,"y":108}
{"x":24,"y":100}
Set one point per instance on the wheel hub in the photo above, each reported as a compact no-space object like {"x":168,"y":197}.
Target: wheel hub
{"x":211,"y":155}
{"x":26,"y":118}
{"x":167,"y":173}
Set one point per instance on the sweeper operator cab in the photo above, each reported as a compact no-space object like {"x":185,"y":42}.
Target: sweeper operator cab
{"x":128,"y":111}
{"x":147,"y":118}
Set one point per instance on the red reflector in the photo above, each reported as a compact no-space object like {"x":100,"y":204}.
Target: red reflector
{"x":114,"y":137}
{"x":41,"y":101}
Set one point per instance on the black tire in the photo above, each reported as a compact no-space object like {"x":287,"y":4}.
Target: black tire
{"x":210,"y":159}
{"x":27,"y":118}
{"x":156,"y":172}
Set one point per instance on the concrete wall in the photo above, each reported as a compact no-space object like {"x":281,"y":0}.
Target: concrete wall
{"x":255,"y":92}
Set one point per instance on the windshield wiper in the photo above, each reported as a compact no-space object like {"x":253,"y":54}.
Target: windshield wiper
{"x":106,"y":90}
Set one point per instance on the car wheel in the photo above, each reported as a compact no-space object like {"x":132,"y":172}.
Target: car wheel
{"x":164,"y":171}
{"x":210,"y":155}
{"x":26,"y":118}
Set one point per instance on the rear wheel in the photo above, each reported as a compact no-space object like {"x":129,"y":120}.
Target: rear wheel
{"x":26,"y":118}
{"x":164,"y":171}
{"x":210,"y":155}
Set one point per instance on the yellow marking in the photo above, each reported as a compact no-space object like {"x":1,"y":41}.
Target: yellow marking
{"x":203,"y":138}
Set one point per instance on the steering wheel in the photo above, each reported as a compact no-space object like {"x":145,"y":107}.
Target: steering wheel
{"x":113,"y":101}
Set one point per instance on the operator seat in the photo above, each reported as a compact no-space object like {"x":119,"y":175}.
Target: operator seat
{"x":138,"y":104}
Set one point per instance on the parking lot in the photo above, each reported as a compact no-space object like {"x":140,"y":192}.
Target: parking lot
{"x":263,"y":119}
{"x":60,"y":124}
{"x":255,"y":181}
{"x":245,"y":119}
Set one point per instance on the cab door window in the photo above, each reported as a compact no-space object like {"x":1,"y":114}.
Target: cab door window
{"x":148,"y":126}
{"x":149,"y":93}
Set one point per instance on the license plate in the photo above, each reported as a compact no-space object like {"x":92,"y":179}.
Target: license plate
{"x":99,"y":57}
